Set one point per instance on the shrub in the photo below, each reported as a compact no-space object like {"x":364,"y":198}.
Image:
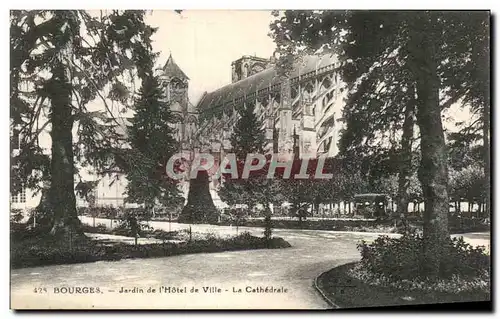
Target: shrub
{"x":131,"y":226}
{"x":212,"y":236}
{"x":39,"y":252}
{"x":402,"y":258}
{"x":454,"y":285}
{"x":99,"y":229}
{"x":16,"y":216}
{"x":163,"y":235}
{"x":278,"y":242}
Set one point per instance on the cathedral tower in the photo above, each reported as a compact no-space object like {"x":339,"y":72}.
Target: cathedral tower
{"x":247,"y":66}
{"x":176,"y":84}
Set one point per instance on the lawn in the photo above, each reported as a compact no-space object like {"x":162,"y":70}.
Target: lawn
{"x":31,"y":249}
{"x":348,"y":292}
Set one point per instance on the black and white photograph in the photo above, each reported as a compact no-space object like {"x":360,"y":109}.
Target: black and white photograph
{"x":250,"y":159}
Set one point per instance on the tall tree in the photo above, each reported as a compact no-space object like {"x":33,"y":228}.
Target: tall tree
{"x":248,"y":137}
{"x":61,"y":61}
{"x":422,"y":47}
{"x":471,"y":78}
{"x":152,"y":142}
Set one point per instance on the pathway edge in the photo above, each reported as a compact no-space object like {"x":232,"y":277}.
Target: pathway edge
{"x":322,"y":293}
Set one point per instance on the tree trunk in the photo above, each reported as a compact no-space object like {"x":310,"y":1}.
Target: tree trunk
{"x":62,"y":192}
{"x":485,"y":79}
{"x":433,"y":171}
{"x":200,"y":207}
{"x":405,"y":167}
{"x":486,"y":143}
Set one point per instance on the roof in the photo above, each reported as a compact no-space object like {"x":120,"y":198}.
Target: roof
{"x":263,"y":79}
{"x":173,"y":70}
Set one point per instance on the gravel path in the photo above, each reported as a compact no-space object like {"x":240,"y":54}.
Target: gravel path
{"x":292,"y":269}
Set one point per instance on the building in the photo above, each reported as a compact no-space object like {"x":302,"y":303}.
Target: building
{"x":175,"y":82}
{"x":110,"y":190}
{"x":301,"y":113}
{"x":26,"y":198}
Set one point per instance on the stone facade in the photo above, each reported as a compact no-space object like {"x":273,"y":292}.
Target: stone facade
{"x":176,"y":85}
{"x":301,"y":113}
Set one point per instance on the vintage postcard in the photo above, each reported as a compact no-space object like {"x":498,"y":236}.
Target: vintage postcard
{"x":295,"y":159}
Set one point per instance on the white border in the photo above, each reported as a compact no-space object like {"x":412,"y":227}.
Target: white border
{"x":194,"y":4}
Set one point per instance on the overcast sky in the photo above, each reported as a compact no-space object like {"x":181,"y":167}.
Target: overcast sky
{"x":204,"y":43}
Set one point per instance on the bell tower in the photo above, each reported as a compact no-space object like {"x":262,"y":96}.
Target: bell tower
{"x":176,"y":85}
{"x":247,"y":66}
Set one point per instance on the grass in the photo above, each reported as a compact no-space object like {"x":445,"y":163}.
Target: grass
{"x":34,"y":249}
{"x":349,"y":292}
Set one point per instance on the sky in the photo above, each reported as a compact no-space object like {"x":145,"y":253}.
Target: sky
{"x":205,"y":42}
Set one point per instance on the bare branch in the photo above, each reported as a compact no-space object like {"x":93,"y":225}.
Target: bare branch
{"x":89,"y":78}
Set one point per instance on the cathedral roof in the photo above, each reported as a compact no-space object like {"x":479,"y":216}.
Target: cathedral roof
{"x":173,"y":70}
{"x":263,"y":79}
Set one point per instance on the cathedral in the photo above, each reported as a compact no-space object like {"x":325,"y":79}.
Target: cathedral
{"x":176,"y":84}
{"x":301,"y":113}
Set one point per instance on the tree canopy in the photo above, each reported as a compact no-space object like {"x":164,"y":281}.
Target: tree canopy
{"x":61,"y":61}
{"x":391,"y":62}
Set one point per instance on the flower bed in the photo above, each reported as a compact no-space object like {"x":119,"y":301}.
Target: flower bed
{"x":40,"y":251}
{"x":456,"y":284}
{"x":393,"y":271}
{"x":347,"y":287}
{"x":403,"y":258}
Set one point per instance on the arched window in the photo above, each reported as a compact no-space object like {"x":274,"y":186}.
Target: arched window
{"x":327,"y":83}
{"x":246,"y":70}
{"x":191,"y":127}
{"x":257,"y":67}
{"x":265,"y":101}
{"x":277,"y":98}
{"x":326,"y":144}
{"x":167,"y":88}
{"x":309,"y":88}
{"x":177,"y":84}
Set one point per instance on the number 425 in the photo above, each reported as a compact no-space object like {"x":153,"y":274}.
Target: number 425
{"x":40,"y":290}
